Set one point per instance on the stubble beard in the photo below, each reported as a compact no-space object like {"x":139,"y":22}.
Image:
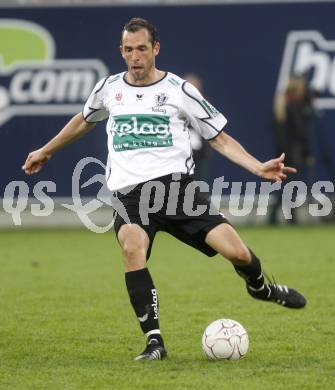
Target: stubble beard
{"x":144,"y":75}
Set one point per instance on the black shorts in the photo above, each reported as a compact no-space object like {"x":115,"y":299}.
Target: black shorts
{"x":191,"y":230}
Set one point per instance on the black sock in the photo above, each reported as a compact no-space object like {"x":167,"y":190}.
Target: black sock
{"x":156,"y":336}
{"x":252,"y":273}
{"x":143,"y":296}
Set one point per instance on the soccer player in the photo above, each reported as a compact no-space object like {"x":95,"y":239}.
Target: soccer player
{"x":150,"y":113}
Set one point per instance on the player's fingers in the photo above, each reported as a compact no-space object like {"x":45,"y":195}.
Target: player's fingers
{"x":273,"y":176}
{"x":40,"y":166}
{"x":37,"y":167}
{"x":29,"y":170}
{"x":279,"y":176}
{"x":271,"y":165}
{"x":26,"y":166}
{"x":289,"y":170}
{"x":28,"y":161}
{"x":25,"y":163}
{"x":279,"y":159}
{"x":30,"y":167}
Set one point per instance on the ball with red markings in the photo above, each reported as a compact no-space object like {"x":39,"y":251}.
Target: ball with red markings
{"x":225,"y":339}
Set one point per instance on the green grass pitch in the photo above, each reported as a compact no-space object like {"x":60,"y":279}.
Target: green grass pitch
{"x":66,"y":322}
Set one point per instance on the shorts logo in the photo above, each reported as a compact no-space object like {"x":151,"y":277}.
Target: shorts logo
{"x":32,"y":81}
{"x":309,"y":53}
{"x":140,"y":131}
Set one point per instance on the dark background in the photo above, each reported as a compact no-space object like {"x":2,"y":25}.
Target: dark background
{"x":236,"y":49}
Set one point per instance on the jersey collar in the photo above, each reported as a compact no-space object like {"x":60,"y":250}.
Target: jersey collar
{"x":146,"y":85}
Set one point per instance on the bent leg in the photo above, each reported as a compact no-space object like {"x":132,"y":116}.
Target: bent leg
{"x":226,"y":241}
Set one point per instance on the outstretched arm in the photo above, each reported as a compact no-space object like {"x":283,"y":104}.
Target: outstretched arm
{"x":73,"y":130}
{"x":273,"y":169}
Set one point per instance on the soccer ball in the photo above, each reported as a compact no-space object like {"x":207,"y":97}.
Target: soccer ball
{"x":225,"y":339}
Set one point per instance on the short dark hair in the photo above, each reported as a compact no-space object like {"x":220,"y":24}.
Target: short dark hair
{"x":136,"y":24}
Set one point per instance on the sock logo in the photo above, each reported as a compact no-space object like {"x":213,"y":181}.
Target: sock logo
{"x":32,"y":81}
{"x":144,"y":318}
{"x":309,"y":53}
{"x":155,"y":303}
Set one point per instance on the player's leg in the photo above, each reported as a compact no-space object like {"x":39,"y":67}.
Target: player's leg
{"x":226,"y":241}
{"x":135,"y":243}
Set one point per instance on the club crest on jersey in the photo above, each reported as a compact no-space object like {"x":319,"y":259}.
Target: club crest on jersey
{"x":161,"y":99}
{"x":139,"y":97}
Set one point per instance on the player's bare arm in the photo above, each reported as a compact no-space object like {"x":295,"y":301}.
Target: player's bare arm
{"x":73,"y":130}
{"x":274,"y":169}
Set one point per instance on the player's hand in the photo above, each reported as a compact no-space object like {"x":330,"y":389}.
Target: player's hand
{"x":275,"y":169}
{"x":35,"y":161}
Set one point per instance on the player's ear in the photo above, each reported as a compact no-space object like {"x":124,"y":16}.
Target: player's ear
{"x":121,"y":50}
{"x":156,"y":48}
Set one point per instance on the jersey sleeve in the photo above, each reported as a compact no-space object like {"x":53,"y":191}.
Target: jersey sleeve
{"x":203,"y":117}
{"x":94,"y":109}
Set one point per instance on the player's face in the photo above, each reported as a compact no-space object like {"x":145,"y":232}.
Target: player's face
{"x":139,"y":53}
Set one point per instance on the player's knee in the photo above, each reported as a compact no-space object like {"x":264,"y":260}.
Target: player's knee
{"x":240,"y":255}
{"x":134,"y":243}
{"x":133,"y":250}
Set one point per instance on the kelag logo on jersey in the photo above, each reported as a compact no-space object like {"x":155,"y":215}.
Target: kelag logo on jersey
{"x":309,"y":53}
{"x":32,"y":81}
{"x":141,"y":131}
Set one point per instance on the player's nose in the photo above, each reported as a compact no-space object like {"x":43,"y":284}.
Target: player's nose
{"x":135,"y":55}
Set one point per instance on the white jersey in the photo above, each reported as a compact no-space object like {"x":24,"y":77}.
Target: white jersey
{"x":148,"y":126}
